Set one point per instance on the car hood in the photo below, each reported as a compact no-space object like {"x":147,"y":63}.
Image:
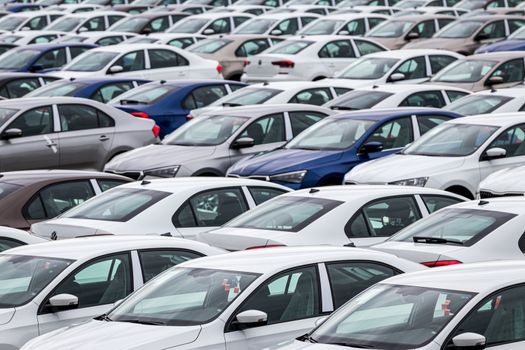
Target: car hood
{"x":6,"y":314}
{"x":437,"y":43}
{"x":283,"y":160}
{"x":157,"y":156}
{"x":506,"y":180}
{"x":400,"y":167}
{"x":115,"y":336}
{"x":418,"y":252}
{"x":506,"y":45}
{"x":238,"y":238}
{"x":64,"y":228}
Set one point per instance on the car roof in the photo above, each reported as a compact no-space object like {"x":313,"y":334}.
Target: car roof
{"x":284,"y":15}
{"x":351,"y":16}
{"x":418,"y":18}
{"x":494,"y":119}
{"x":397,"y":88}
{"x":406,"y":53}
{"x":255,"y":111}
{"x":36,"y":101}
{"x":513,"y":205}
{"x":499,"y":56}
{"x":381,"y":114}
{"x":97,"y":80}
{"x":510,"y":92}
{"x":214,"y":15}
{"x":33,"y":176}
{"x":122,"y":48}
{"x":49,"y":46}
{"x":195,"y":82}
{"x":487,"y":18}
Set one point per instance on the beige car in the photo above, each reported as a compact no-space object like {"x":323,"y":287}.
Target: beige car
{"x":232,"y":50}
{"x":398,"y":31}
{"x":466,"y":35}
{"x":482,"y":71}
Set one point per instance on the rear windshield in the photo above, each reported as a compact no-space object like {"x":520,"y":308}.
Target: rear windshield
{"x":144,"y":94}
{"x":248,"y":96}
{"x":454,"y":226}
{"x":477,"y":104}
{"x":66,"y":88}
{"x":291,"y":48}
{"x":210,"y":46}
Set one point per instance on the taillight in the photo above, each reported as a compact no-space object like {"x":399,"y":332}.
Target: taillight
{"x":156,"y":130}
{"x":440,"y":263}
{"x":266,"y":246}
{"x":246,"y":62}
{"x":140,"y":115}
{"x":284,"y":64}
{"x":189,"y":117}
{"x":219,"y":69}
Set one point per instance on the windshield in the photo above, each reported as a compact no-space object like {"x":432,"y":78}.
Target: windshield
{"x":118,"y":204}
{"x":290,"y":47}
{"x":5,"y":115}
{"x":477,"y":104}
{"x":91,"y":61}
{"x":322,"y":27}
{"x":518,"y":34}
{"x":66,"y":24}
{"x":256,"y":26}
{"x":451,"y":140}
{"x":205,"y":131}
{"x":247,"y":96}
{"x":391,"y":317}
{"x":72,"y":39}
{"x":9,"y":39}
{"x":210,"y":45}
{"x":369,"y":68}
{"x":18,"y":59}
{"x":465,"y":71}
{"x":23,"y":277}
{"x":11,"y":23}
{"x":391,"y":29}
{"x":331,"y":134}
{"x":470,"y":4}
{"x":183,"y":297}
{"x":461,"y":29}
{"x":407,"y":4}
{"x":290,"y":214}
{"x":57,"y":89}
{"x":144,"y":94}
{"x":130,"y":25}
{"x":354,"y":100}
{"x":192,"y":25}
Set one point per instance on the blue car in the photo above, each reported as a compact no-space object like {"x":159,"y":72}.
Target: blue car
{"x":324,"y":153}
{"x":41,"y":57}
{"x":98,"y":89}
{"x":168,"y":103}
{"x":515,"y":42}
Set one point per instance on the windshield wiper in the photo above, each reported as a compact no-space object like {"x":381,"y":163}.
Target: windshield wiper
{"x":151,"y":323}
{"x":307,"y":337}
{"x":343,"y":108}
{"x":133,"y":102}
{"x":352,"y":345}
{"x":103,"y":317}
{"x":435,"y":240}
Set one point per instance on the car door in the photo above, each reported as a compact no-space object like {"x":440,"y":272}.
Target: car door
{"x":133,"y":64}
{"x":52,"y":59}
{"x":167,"y":64}
{"x":414,"y":70}
{"x":512,"y":72}
{"x":86,"y":136}
{"x":292,"y":301}
{"x":98,"y":284}
{"x":286,"y":27}
{"x":336,"y":55}
{"x":109,"y":91}
{"x":492,"y":32}
{"x":356,"y":27}
{"x":37,"y":147}
{"x":218,"y":26}
{"x":94,"y":24}
{"x":433,"y":98}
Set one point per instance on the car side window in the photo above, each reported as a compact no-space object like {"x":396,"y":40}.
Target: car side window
{"x":43,"y":39}
{"x":132,"y":61}
{"x":512,"y":140}
{"x":110,"y":40}
{"x":383,"y":217}
{"x":77,"y":50}
{"x":37,"y":23}
{"x":237,"y":21}
{"x":110,"y":91}
{"x":442,"y":22}
{"x":289,"y":296}
{"x":82,"y":117}
{"x":356,"y":27}
{"x":37,"y":121}
{"x":394,"y":134}
{"x":307,"y":20}
{"x":515,"y":24}
{"x":511,"y":71}
{"x":107,"y":184}
{"x":20,"y":87}
{"x":427,"y":122}
{"x":425,"y":29}
{"x":252,"y":47}
{"x":455,"y":95}
{"x":347,"y":279}
{"x":288,"y":26}
{"x":220,"y":26}
{"x":203,"y":96}
{"x":302,"y":120}
{"x":435,"y":203}
{"x":414,"y":68}
{"x":95,"y":24}
{"x":181,"y":43}
{"x":113,"y":19}
{"x":374,"y":21}
{"x":52,"y":59}
{"x":158,"y":24}
{"x":156,"y":261}
{"x":262,"y":194}
{"x":315,"y":96}
{"x":424,"y":99}
{"x":438,"y":62}
{"x":367,"y":47}
{"x":267,"y":129}
{"x":99,"y":282}
{"x":211,"y":208}
{"x":8,"y":243}
{"x":337,"y":49}
{"x":341,"y":91}
{"x":494,"y":30}
{"x":166,"y":59}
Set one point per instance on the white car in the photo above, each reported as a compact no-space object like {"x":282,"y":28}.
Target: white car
{"x":286,"y":24}
{"x":454,"y":156}
{"x":12,"y":238}
{"x":464,"y":307}
{"x":397,"y":95}
{"x":96,"y":38}
{"x":179,"y":207}
{"x":381,"y":10}
{"x":490,"y":101}
{"x":503,"y":183}
{"x":334,"y":215}
{"x":147,"y":61}
{"x":51,"y":285}
{"x":345,"y":24}
{"x":433,"y":10}
{"x":210,"y":23}
{"x":75,"y":8}
{"x":29,"y":20}
{"x":406,"y":66}
{"x":240,"y":301}
{"x":317,"y":9}
{"x":86,"y":22}
{"x":179,"y":40}
{"x":255,"y":10}
{"x":307,"y":58}
{"x":30,"y":37}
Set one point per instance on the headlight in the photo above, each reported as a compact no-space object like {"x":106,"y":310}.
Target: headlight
{"x":293,"y":177}
{"x":163,"y":172}
{"x":417,"y":181}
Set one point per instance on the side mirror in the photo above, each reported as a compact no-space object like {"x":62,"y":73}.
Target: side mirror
{"x":243,"y":142}
{"x":115,"y":69}
{"x":208,"y":31}
{"x":397,"y":77}
{"x":11,"y":133}
{"x":343,"y":32}
{"x":251,"y":318}
{"x":276,"y":32}
{"x":25,"y":28}
{"x":82,"y":30}
{"x":62,"y":302}
{"x":481,"y":36}
{"x":371,"y":147}
{"x":36,"y":68}
{"x":494,"y":81}
{"x":147,"y":31}
{"x":469,"y":341}
{"x":412,"y":36}
{"x":494,"y":153}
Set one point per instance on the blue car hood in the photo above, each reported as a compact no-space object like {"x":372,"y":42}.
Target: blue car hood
{"x":506,"y":45}
{"x":283,"y":160}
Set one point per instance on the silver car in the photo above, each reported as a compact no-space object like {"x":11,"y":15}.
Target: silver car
{"x":67,"y":133}
{"x":209,"y":144}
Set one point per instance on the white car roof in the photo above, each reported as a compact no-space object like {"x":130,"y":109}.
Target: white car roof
{"x":98,"y":34}
{"x":351,"y":16}
{"x":214,"y":15}
{"x":513,"y":205}
{"x":408,"y":53}
{"x":494,"y":119}
{"x":288,"y":86}
{"x":122,"y":48}
{"x":510,"y":92}
{"x":90,"y":14}
{"x":399,"y":88}
{"x":30,"y":14}
{"x":32,"y":33}
{"x":285,"y":15}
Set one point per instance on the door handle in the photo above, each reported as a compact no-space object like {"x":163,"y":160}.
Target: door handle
{"x":103,"y":138}
{"x":51,"y":144}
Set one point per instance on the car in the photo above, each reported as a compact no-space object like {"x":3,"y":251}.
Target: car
{"x":255,"y":300}
{"x":181,"y":41}
{"x":31,"y":20}
{"x":102,"y":38}
{"x":503,"y":183}
{"x":514,"y":42}
{"x":12,"y":238}
{"x":277,"y":24}
{"x":98,"y":89}
{"x":310,"y":58}
{"x":232,"y":51}
{"x":110,"y":3}
{"x":471,"y":5}
{"x":322,"y":155}
{"x":147,"y":23}
{"x":35,"y":195}
{"x":471,"y":306}
{"x":456,"y":156}
{"x":75,"y":8}
{"x":168,"y":103}
{"x":348,"y":216}
{"x":210,"y":23}
{"x":86,"y":22}
{"x":400,"y":95}
{"x":406,"y":4}
{"x":162,"y":207}
{"x":466,"y":35}
{"x":30,"y":37}
{"x":396,"y":32}
{"x":437,"y":10}
{"x":209,"y":144}
{"x":382,"y":10}
{"x":255,"y":10}
{"x":270,"y":3}
{"x":495,"y":11}
{"x":397,"y":66}
{"x":51,"y":285}
{"x":41,"y":57}
{"x":345,"y":24}
{"x":16,"y":85}
{"x":144,"y":61}
{"x":194,"y":9}
{"x":67,"y":133}
{"x":490,"y":101}
{"x":318,"y":9}
{"x":482,"y":71}
{"x":365,"y":3}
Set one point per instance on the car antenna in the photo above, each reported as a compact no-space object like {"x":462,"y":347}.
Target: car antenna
{"x":375,"y":86}
{"x":493,"y":89}
{"x":145,"y":182}
{"x":72,"y":79}
{"x":314,"y":190}
{"x":482,"y":202}
{"x":265,"y":83}
{"x":163,"y":81}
